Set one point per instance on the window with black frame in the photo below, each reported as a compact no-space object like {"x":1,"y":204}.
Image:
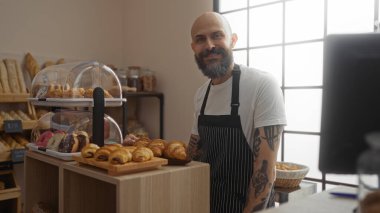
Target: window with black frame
{"x":286,"y":38}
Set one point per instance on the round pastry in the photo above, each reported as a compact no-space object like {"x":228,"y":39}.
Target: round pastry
{"x":142,"y":154}
{"x":83,"y":139}
{"x":69,"y":144}
{"x":89,"y":150}
{"x":43,"y":139}
{"x":120,"y":156}
{"x":55,"y":140}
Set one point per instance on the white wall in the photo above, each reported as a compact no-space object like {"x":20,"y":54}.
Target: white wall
{"x":149,"y":33}
{"x":158,"y":37}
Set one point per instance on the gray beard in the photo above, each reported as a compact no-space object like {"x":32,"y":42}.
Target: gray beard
{"x":215,"y":70}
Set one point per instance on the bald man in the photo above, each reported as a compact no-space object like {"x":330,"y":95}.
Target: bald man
{"x":238,"y":122}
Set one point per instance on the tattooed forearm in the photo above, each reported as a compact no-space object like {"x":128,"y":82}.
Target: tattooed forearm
{"x":192,"y":148}
{"x":261,"y":179}
{"x":272,"y":133}
{"x":261,"y":205}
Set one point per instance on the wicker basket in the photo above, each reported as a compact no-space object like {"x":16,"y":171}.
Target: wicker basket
{"x":290,"y":178}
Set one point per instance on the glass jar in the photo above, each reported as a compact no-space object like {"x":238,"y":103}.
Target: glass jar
{"x":148,"y":80}
{"x":133,"y":79}
{"x":369,"y":175}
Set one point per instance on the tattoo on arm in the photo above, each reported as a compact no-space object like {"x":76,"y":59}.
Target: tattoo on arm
{"x":256,"y":145}
{"x":261,"y":179}
{"x":192,"y":148}
{"x":272,"y":135}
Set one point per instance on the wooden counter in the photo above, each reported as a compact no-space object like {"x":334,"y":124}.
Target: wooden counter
{"x":82,"y":188}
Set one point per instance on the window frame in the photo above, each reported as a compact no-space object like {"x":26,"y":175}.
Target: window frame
{"x":283,"y":44}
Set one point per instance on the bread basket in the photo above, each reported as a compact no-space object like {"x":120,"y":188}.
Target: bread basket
{"x":289,"y":175}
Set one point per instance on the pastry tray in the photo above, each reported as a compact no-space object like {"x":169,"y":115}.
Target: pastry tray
{"x":75,"y":102}
{"x":52,"y":153}
{"x":127,"y":168}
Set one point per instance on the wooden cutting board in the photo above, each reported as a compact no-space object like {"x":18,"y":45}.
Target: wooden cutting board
{"x":130,"y":167}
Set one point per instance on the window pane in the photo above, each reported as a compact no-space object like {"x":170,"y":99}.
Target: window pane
{"x":265,"y":25}
{"x":303,"y":64}
{"x":267,"y":59}
{"x":238,"y":22}
{"x":303,"y":109}
{"x":258,"y":2}
{"x":303,"y":149}
{"x":240,"y":57}
{"x":303,"y":20}
{"x":350,"y":16}
{"x":226,"y":5}
{"x":350,"y":179}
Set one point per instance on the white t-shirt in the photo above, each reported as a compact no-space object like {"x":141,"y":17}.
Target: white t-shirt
{"x":260,"y":97}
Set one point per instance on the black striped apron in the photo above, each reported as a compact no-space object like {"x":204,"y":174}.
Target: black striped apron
{"x":224,"y":146}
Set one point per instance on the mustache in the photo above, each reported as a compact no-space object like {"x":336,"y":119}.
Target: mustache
{"x":214,"y":50}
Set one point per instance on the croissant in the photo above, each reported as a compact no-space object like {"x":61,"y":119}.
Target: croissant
{"x":103,"y":153}
{"x":89,"y":150}
{"x":142,"y":154}
{"x":120,"y":156}
{"x":157,"y":146}
{"x":113,"y":146}
{"x":131,"y":149}
{"x":176,"y":149}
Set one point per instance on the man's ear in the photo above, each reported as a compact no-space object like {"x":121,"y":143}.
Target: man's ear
{"x":192,"y":46}
{"x":234,"y":39}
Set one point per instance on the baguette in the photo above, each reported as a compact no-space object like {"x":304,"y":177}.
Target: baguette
{"x":23,"y":115}
{"x":12,"y":75}
{"x":15,"y":116}
{"x":21,"y":78}
{"x":4,"y":77}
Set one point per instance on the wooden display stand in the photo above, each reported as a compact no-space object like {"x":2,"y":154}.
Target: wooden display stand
{"x":10,"y":196}
{"x":82,"y":188}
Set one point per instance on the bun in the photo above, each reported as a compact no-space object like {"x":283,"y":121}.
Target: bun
{"x":69,"y":144}
{"x":176,"y":150}
{"x":55,"y":140}
{"x":131,"y":149}
{"x":120,"y":156}
{"x":89,"y":150}
{"x":142,"y":154}
{"x":83,"y":139}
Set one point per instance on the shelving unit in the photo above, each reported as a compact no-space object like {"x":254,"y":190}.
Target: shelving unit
{"x":81,"y":188}
{"x":158,"y":95}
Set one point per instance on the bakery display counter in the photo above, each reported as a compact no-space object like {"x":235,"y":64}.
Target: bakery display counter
{"x":74,"y":187}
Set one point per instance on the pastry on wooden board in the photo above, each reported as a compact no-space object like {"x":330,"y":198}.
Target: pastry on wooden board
{"x":142,"y":154}
{"x":89,"y":150}
{"x":120,"y":156}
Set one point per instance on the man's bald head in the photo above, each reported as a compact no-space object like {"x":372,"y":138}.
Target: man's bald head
{"x":208,"y":20}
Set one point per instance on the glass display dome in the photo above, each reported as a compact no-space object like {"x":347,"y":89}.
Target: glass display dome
{"x":74,"y":83}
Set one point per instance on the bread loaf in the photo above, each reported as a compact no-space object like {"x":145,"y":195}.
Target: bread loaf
{"x":12,"y":75}
{"x":31,"y":65}
{"x":21,"y":78}
{"x":4,"y":77}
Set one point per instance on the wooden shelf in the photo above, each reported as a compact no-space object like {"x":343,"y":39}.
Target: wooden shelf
{"x":10,"y":97}
{"x":26,"y":125}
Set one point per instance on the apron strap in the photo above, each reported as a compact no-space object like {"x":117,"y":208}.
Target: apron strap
{"x":235,"y":90}
{"x":205,"y":99}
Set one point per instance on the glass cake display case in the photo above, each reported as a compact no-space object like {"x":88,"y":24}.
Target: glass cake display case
{"x":72,"y":84}
{"x":64,"y":133}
